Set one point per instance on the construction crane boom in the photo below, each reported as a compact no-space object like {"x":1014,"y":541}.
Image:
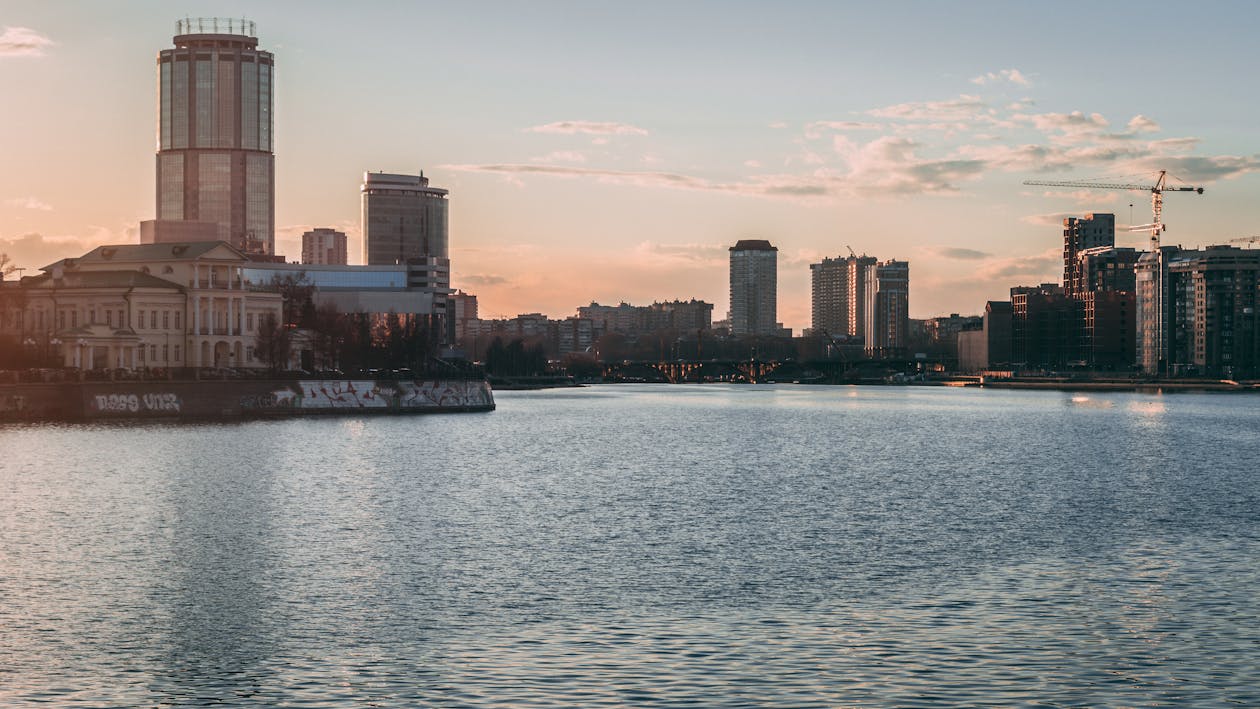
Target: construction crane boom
{"x":1157,"y":191}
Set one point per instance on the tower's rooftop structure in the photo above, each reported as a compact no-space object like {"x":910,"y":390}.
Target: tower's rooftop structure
{"x":215,"y":31}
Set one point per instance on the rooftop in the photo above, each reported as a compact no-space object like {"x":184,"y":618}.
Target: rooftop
{"x":753,"y":245}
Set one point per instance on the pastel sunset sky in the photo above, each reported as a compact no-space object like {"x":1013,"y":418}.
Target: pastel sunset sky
{"x":612,"y":151}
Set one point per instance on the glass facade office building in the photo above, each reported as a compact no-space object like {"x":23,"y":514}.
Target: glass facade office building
{"x":404,"y":219}
{"x":215,"y":161}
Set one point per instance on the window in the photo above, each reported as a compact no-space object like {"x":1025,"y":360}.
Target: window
{"x":61,"y":319}
{"x":141,"y":349}
{"x":249,"y":319}
{"x":166,"y":353}
{"x":109,"y":318}
{"x":74,"y":318}
{"x":176,"y":353}
{"x":176,"y":319}
{"x":153,"y":352}
{"x":122,"y":321}
{"x":166,"y":319}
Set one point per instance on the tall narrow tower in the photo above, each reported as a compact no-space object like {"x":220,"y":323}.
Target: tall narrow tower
{"x":754,"y":287}
{"x":215,"y":162}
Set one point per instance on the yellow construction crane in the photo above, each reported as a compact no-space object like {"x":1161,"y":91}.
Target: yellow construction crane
{"x":1157,"y":191}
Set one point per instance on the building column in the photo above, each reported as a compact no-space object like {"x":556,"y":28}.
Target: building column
{"x":242,"y":315}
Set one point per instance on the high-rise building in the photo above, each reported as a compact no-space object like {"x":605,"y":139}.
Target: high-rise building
{"x":887,"y":316}
{"x":215,"y":162}
{"x":1210,"y":311}
{"x":1080,"y":233}
{"x":403,"y":219}
{"x":325,"y":247}
{"x":838,"y":295}
{"x":754,"y":287}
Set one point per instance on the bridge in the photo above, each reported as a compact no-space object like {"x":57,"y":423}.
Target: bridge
{"x":757,"y":371}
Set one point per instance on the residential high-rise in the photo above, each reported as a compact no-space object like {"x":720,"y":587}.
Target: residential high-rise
{"x":215,"y":163}
{"x":1210,"y":312}
{"x":403,"y":219}
{"x":887,"y":317}
{"x":754,"y":286}
{"x":325,"y":247}
{"x":838,"y":295}
{"x":1080,"y":233}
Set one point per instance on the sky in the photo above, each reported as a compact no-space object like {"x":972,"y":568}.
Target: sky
{"x":611,"y":151}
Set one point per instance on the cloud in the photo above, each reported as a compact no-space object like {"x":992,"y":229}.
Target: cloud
{"x":779,"y":124}
{"x":959,"y":253}
{"x":759,"y":186}
{"x":1045,"y":267}
{"x":482,"y":279}
{"x":588,"y":128}
{"x":889,"y":166}
{"x":963,"y":108}
{"x":1013,"y":76}
{"x":1084,"y":197}
{"x":816,"y":128}
{"x":29,"y":203}
{"x":561,"y":156}
{"x":1142,"y":124}
{"x":23,"y":42}
{"x":34,"y":251}
{"x":752,"y":163}
{"x":691,"y":254}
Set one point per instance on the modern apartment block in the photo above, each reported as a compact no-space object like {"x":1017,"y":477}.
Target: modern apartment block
{"x":1091,"y":231}
{"x":1211,"y":311}
{"x":754,"y":288}
{"x":887,"y":317}
{"x":838,"y":295}
{"x":324,"y":247}
{"x":215,"y":161}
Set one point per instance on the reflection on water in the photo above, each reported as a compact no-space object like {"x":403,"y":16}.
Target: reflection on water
{"x":706,"y":545}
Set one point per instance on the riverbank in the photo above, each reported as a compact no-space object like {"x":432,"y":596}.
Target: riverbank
{"x":237,"y":399}
{"x":1068,"y":384}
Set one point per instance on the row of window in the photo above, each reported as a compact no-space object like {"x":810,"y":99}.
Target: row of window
{"x":167,"y":351}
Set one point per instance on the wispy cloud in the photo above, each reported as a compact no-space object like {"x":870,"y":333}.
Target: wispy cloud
{"x":481,"y":279}
{"x":1012,"y":76}
{"x":1042,"y":268}
{"x":587,"y":128}
{"x":959,"y":253}
{"x":561,"y":156}
{"x":965,"y":107}
{"x":23,"y":42}
{"x":787,"y":186}
{"x":29,"y":203}
{"x":682,"y":254}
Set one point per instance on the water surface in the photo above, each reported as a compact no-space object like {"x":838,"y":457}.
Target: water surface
{"x":645,"y":545}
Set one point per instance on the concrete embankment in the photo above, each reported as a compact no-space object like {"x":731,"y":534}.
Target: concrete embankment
{"x":232,"y":399}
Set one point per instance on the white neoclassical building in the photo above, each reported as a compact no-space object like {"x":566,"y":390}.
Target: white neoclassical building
{"x":143,"y":305}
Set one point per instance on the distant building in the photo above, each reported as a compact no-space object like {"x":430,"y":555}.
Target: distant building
{"x":1211,"y":307}
{"x":838,"y":295}
{"x":887,"y":316}
{"x":215,"y":161}
{"x":403,"y":219}
{"x":624,"y":317}
{"x":325,"y":247}
{"x":988,"y":347}
{"x":682,"y":315}
{"x":463,"y":309}
{"x":1091,"y":231}
{"x":1044,"y":327}
{"x":754,"y":288}
{"x":171,"y":231}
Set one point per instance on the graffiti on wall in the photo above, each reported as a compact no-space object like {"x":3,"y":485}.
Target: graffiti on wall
{"x":435,"y":394}
{"x":152,"y":402}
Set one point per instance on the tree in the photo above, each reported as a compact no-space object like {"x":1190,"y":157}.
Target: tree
{"x":273,"y":344}
{"x":298,"y":293}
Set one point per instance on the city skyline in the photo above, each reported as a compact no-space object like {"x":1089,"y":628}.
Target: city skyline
{"x":585,"y":167}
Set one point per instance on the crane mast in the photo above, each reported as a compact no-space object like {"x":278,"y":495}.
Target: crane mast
{"x":1156,"y":228}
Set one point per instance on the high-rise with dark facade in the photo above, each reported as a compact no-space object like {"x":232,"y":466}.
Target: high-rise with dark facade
{"x":403,"y":219}
{"x":838,"y":295}
{"x":1080,"y":233}
{"x":754,"y":287}
{"x":215,"y":163}
{"x":887,"y":319}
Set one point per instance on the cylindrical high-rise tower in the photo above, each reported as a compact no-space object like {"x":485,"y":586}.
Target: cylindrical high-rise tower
{"x":215,"y":161}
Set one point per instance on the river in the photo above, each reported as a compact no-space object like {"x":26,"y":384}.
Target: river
{"x":644,"y":545}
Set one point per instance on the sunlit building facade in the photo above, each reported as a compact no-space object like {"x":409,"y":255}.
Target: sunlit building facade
{"x":215,"y":162}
